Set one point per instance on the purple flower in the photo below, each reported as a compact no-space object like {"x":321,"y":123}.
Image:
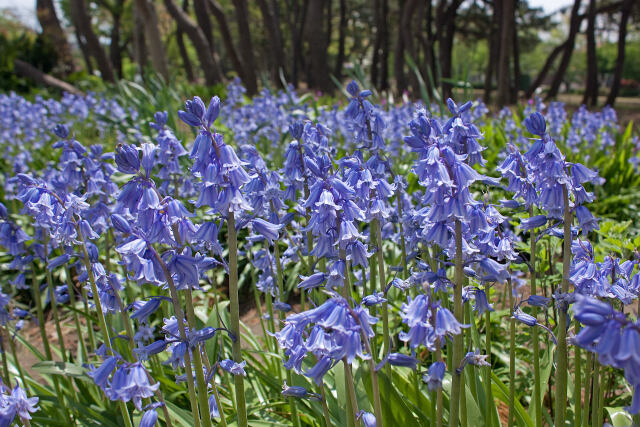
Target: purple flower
{"x":233,"y":367}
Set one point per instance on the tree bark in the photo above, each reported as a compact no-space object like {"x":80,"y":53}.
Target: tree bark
{"x":202,"y":12}
{"x":506,"y":43}
{"x":494,"y":48}
{"x":545,"y":69}
{"x":271,"y":23}
{"x":186,"y":62}
{"x":82,"y":21}
{"x":149,"y":18}
{"x":446,"y":28}
{"x":227,"y":39}
{"x":398,"y":55}
{"x":115,"y":48}
{"x":246,"y":46}
{"x":591,"y":88}
{"x":574,"y":26}
{"x":342,"y":35}
{"x":622,"y":37}
{"x":199,"y":41}
{"x":27,"y":70}
{"x":140,"y":53}
{"x":318,"y":65}
{"x":516,"y":57}
{"x":406,"y":33}
{"x":52,"y":32}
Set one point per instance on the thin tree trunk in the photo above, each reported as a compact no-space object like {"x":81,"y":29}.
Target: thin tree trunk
{"x":494,"y":48}
{"x":516,"y":57}
{"x":82,"y":21}
{"x":140,"y":52}
{"x":506,"y":43}
{"x":153,"y":37}
{"x":115,"y":48}
{"x":86,"y":56}
{"x":545,"y":69}
{"x":227,"y":39}
{"x":246,"y":46}
{"x":446,"y":23}
{"x":193,"y":31}
{"x":429,"y":52}
{"x":342,"y":35}
{"x":622,"y":39}
{"x":398,"y":55}
{"x":271,"y":23}
{"x":27,"y":70}
{"x":202,"y":12}
{"x":406,"y":32}
{"x":377,"y":44}
{"x":386,"y":48}
{"x":186,"y":62}
{"x":52,"y":32}
{"x":574,"y":26}
{"x":318,"y":65}
{"x":591,"y":89}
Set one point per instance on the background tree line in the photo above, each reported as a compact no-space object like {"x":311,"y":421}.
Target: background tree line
{"x":503,"y":48}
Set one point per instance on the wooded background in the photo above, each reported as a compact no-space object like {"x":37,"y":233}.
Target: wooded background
{"x":504,"y":49}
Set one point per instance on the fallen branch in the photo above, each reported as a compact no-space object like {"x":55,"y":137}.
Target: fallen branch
{"x":27,"y":70}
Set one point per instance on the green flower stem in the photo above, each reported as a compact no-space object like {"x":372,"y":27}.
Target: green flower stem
{"x":512,"y":358}
{"x":561,"y":351}
{"x":595,"y":392}
{"x":175,"y":300}
{"x":403,"y":246}
{"x":52,"y":299}
{"x":85,"y":303}
{"x":439,"y":397}
{"x":325,"y":408}
{"x":382,"y":282}
{"x":216,"y":395}
{"x":76,"y":319}
{"x":101,"y":320}
{"x":35,"y":289}
{"x":5,"y":365}
{"x":232,"y":243}
{"x":601,"y":390}
{"x":537,"y":389}
{"x":201,"y":384}
{"x":577,"y":391}
{"x":352,"y":402}
{"x":16,"y":360}
{"x":489,"y":408}
{"x":587,"y":389}
{"x":454,"y":403}
{"x":281,"y":296}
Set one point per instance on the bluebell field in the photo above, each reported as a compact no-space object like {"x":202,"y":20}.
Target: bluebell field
{"x":409,"y":265}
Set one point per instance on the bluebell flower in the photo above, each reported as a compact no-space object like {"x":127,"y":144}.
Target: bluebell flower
{"x":434,"y":376}
{"x":233,"y":367}
{"x":101,"y":374}
{"x":149,"y":418}
{"x":367,"y":418}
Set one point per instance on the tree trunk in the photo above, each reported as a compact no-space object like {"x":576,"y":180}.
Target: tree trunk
{"x":398,"y":55}
{"x":429,"y":52}
{"x":407,"y":35}
{"x":494,"y":49}
{"x":545,"y":69}
{"x":227,"y":40}
{"x":446,"y":25}
{"x":82,"y":21}
{"x":27,"y":70}
{"x":377,"y":44}
{"x":52,"y":32}
{"x":516,"y":57}
{"x":199,"y":41}
{"x":140,"y":52}
{"x":115,"y":49}
{"x":147,"y":12}
{"x":574,"y":26}
{"x":506,"y":43}
{"x":186,"y":62}
{"x":622,"y":39}
{"x":591,"y":88}
{"x":318,"y":65}
{"x":202,"y":12}
{"x":246,"y":46}
{"x":271,"y":23}
{"x":342,"y":35}
{"x":296,"y":24}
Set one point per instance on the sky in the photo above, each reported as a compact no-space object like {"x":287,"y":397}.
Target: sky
{"x":25,"y":9}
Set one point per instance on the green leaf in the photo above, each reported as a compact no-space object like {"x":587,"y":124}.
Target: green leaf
{"x":619,"y":417}
{"x":61,"y":368}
